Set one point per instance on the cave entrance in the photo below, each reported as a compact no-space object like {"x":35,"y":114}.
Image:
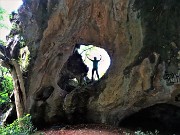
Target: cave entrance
{"x":77,"y":71}
{"x":91,"y":51}
{"x":162,"y":117}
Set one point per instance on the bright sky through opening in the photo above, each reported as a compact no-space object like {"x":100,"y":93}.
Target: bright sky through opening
{"x":91,"y":52}
{"x":9,"y":6}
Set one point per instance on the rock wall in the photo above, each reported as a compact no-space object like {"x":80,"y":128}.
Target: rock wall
{"x":141,"y":38}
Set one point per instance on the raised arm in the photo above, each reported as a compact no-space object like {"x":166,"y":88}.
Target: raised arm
{"x":100,"y":58}
{"x":89,"y":58}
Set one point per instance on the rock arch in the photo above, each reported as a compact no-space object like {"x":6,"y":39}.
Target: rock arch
{"x":118,"y":26}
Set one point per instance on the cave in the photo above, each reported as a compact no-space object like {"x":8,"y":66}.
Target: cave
{"x":164,"y":118}
{"x":77,"y":71}
{"x":140,"y":38}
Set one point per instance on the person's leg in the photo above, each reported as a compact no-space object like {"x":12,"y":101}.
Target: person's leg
{"x":97,"y":73}
{"x":92,"y":74}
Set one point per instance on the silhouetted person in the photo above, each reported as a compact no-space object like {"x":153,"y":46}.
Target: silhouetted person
{"x":95,"y":66}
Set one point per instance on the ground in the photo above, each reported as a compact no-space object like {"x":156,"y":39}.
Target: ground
{"x":83,"y":129}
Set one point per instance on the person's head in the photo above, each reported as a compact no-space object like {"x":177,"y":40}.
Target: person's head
{"x":95,"y":58}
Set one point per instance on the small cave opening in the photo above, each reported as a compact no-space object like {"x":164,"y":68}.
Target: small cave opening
{"x":91,"y":52}
{"x":86,"y":65}
{"x":164,"y":118}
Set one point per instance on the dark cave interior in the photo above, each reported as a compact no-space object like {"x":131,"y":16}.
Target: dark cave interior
{"x":164,"y":118}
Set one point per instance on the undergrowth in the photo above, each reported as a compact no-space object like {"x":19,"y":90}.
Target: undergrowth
{"x":27,"y":127}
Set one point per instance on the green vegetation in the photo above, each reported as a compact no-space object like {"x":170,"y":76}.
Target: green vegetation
{"x":24,"y":58}
{"x":6,"y":85}
{"x":139,"y":132}
{"x":146,"y":133}
{"x":2,"y":25}
{"x":15,"y":129}
{"x":3,"y":14}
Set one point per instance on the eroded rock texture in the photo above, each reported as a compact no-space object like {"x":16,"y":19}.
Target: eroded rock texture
{"x":141,"y":37}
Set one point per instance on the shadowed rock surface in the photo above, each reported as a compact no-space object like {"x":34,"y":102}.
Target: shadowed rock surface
{"x":162,"y":117}
{"x":141,"y":38}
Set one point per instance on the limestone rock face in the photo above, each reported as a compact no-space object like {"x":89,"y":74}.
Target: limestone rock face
{"x":141,"y":38}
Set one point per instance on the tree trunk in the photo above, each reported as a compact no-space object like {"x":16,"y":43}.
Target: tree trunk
{"x":21,"y":82}
{"x":19,"y":90}
{"x":17,"y":94}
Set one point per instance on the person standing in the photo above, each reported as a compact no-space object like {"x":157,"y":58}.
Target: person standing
{"x":95,"y":66}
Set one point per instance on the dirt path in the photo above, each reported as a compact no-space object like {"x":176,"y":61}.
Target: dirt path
{"x":85,"y":130}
